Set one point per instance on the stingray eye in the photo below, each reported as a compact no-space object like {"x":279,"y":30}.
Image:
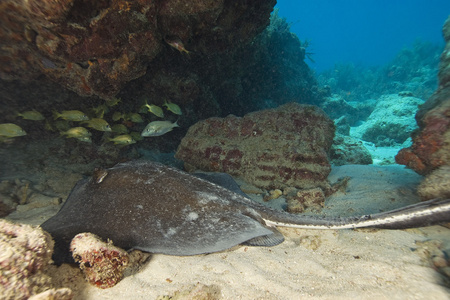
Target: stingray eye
{"x":99,"y":175}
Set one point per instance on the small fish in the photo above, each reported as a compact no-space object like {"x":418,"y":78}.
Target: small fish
{"x":176,"y":43}
{"x":76,"y":132}
{"x":143,"y":109}
{"x":157,"y":128}
{"x":122,"y":140}
{"x":6,"y":140}
{"x":61,"y":125}
{"x":117,"y":116}
{"x":135,"y":117}
{"x":79,"y":133}
{"x":86,"y":139}
{"x":71,"y":115}
{"x":100,"y":110}
{"x":173,"y":107}
{"x":119,"y":128}
{"x":48,"y":126}
{"x":11,"y":130}
{"x":136,"y":136}
{"x":98,"y":124}
{"x":156,"y":110}
{"x":31,"y":115}
{"x":56,"y":126}
{"x":113,"y":102}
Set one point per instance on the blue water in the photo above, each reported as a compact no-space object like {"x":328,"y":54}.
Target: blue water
{"x":366,"y":32}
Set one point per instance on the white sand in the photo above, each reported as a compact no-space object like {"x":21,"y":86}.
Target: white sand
{"x":310,"y":264}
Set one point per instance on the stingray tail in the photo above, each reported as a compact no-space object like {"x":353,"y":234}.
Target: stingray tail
{"x":422,"y":214}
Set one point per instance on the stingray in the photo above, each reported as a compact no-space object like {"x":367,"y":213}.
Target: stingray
{"x":151,"y":207}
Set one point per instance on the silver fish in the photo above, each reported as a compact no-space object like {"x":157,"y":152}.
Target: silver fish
{"x":157,"y":128}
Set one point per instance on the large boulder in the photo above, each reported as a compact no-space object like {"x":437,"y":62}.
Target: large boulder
{"x":347,"y":150}
{"x":391,"y":122}
{"x":272,"y":149}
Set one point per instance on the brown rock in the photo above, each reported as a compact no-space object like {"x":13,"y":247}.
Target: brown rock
{"x":271,"y":149}
{"x":347,"y":150}
{"x":310,"y":198}
{"x":431,"y":144}
{"x":436,"y":184}
{"x":102,"y":263}
{"x":95,"y":47}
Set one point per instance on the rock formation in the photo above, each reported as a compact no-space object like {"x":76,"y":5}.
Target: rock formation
{"x":430,"y":151}
{"x":272,"y":149}
{"x":391,"y":122}
{"x":95,"y":47}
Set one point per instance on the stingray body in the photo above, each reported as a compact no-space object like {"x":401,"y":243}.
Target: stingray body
{"x":155,"y":208}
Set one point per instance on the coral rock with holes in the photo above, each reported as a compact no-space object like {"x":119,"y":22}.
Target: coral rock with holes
{"x":102,"y":263}
{"x":271,"y":149}
{"x":25,"y":253}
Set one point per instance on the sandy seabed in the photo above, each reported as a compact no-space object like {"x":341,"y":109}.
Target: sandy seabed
{"x":310,"y":264}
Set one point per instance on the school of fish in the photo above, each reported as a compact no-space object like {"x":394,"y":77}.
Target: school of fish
{"x":77,"y":124}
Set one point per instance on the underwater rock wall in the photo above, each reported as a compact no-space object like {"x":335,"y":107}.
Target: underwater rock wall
{"x":95,"y":47}
{"x":431,"y":144}
{"x":430,"y":153}
{"x":265,"y":72}
{"x":272,"y":149}
{"x":235,"y":62}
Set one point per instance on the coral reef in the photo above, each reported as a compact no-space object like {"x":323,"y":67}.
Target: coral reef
{"x":102,"y":263}
{"x":391,"y":122}
{"x":271,"y":149}
{"x":25,"y":253}
{"x":336,"y":107}
{"x":431,"y":144}
{"x":265,"y":73}
{"x":94,"y":48}
{"x":413,"y":69}
{"x":215,"y":78}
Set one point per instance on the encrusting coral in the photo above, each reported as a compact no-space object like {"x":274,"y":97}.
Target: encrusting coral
{"x":25,"y":253}
{"x":102,"y":263}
